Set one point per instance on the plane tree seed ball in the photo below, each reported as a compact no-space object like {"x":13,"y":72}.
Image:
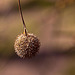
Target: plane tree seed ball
{"x":26,"y":46}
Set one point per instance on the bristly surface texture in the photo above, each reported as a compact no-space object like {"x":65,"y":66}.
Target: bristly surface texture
{"x":26,"y":46}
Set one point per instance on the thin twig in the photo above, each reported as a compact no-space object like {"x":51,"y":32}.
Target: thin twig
{"x":22,"y":16}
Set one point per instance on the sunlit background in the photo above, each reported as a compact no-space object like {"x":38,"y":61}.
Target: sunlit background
{"x":53,"y":22}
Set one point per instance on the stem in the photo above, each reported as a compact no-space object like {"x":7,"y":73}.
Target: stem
{"x":19,"y":3}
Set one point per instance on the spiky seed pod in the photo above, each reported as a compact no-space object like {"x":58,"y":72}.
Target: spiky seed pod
{"x":26,"y":46}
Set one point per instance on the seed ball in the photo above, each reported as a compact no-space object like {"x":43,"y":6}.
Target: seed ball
{"x":26,"y":46}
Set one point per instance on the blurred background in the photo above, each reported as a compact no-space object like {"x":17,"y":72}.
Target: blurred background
{"x":53,"y":22}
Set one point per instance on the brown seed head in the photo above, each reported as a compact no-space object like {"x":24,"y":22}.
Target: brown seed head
{"x":26,"y":46}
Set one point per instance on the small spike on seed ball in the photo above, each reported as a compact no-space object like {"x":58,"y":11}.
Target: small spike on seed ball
{"x":26,"y":46}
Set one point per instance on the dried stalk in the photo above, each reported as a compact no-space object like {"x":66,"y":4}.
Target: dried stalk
{"x":19,"y":3}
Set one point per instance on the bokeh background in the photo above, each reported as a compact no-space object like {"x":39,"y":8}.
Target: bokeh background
{"x":53,"y":21}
